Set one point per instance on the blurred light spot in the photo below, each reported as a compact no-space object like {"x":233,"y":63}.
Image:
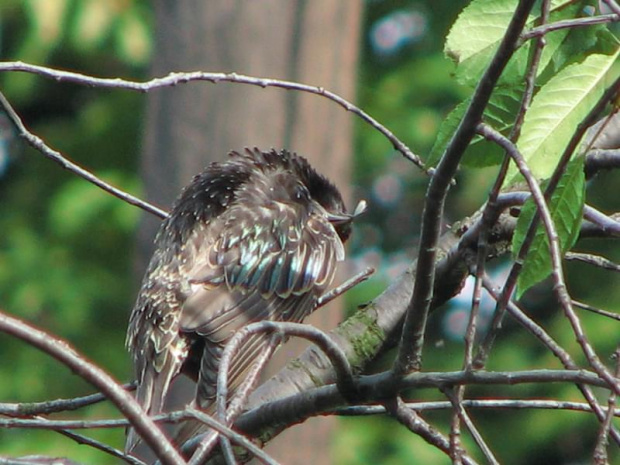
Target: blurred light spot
{"x":370,"y":257}
{"x":457,"y":317}
{"x":7,"y":135}
{"x":397,"y":265}
{"x":398,"y":29}
{"x":387,"y":189}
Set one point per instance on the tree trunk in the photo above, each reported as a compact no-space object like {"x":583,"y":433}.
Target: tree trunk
{"x":314,"y":42}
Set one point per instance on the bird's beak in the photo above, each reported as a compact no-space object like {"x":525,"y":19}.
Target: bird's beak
{"x":360,"y":209}
{"x":339,"y":219}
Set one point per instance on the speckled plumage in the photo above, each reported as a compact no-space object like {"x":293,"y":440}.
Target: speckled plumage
{"x":254,"y":238}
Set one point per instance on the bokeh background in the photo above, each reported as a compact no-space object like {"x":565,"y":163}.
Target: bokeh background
{"x":69,"y":253}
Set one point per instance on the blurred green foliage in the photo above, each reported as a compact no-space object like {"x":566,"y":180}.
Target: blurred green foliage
{"x":66,"y":248}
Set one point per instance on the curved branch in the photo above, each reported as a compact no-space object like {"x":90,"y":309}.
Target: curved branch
{"x":294,"y":409}
{"x":65,"y":354}
{"x":174,"y":79}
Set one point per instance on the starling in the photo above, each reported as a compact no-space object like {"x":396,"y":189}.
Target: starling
{"x":254,"y":238}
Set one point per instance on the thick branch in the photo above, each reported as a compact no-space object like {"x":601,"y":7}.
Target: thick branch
{"x":410,"y":349}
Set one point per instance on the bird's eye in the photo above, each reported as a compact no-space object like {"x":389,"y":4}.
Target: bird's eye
{"x":301,"y":192}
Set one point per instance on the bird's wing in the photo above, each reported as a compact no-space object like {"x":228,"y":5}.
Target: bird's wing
{"x":268,"y":263}
{"x":153,"y":336}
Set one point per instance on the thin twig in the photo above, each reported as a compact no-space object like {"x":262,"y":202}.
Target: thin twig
{"x":457,"y":405}
{"x":561,"y":292}
{"x":37,"y":143}
{"x":554,"y":347}
{"x":174,"y":79}
{"x":490,"y":212}
{"x":225,"y":415}
{"x":54,"y":406}
{"x":549,"y":227}
{"x":416,"y":424}
{"x":608,"y":225}
{"x":81,"y":439}
{"x":600,"y":450}
{"x":595,"y":260}
{"x":491,"y":404}
{"x":613,"y":6}
{"x":238,"y":438}
{"x":569,"y":23}
{"x":341,"y":365}
{"x":598,"y":311}
{"x":344,"y":287}
{"x":344,"y":373}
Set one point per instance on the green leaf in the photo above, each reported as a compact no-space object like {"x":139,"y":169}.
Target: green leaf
{"x":566,"y":209}
{"x":446,"y":130}
{"x":477,"y":32}
{"x":499,"y":113}
{"x":471,"y":43}
{"x":474,"y":37}
{"x":556,"y":111}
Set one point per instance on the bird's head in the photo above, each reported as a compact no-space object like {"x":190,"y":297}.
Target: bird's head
{"x":323,"y":192}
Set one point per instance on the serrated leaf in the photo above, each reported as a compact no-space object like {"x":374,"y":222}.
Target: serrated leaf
{"x":477,"y":32}
{"x":566,"y":207}
{"x":475,"y":35}
{"x":556,"y":111}
{"x":499,"y":113}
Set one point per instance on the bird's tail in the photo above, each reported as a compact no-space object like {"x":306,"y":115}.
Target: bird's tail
{"x":150,"y":394}
{"x":192,"y":428}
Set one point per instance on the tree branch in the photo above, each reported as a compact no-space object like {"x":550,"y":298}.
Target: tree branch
{"x":65,"y":354}
{"x":174,"y":79}
{"x":410,"y":350}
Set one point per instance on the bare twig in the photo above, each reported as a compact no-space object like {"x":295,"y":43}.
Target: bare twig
{"x":561,"y":293}
{"x":344,"y":287}
{"x":53,"y":406}
{"x":608,"y":225}
{"x":322,"y":340}
{"x":457,"y":404}
{"x":489,"y":214}
{"x":174,"y":79}
{"x":37,"y":143}
{"x":555,"y":348}
{"x":613,"y":6}
{"x":601,"y":159}
{"x":416,"y":424}
{"x":598,"y":311}
{"x":595,"y":260}
{"x":559,"y":287}
{"x":237,"y":403}
{"x":569,"y":23}
{"x":344,"y":373}
{"x":81,"y":439}
{"x":554,"y":244}
{"x":491,"y":404}
{"x":600,"y":450}
{"x":294,"y":408}
{"x":240,"y":439}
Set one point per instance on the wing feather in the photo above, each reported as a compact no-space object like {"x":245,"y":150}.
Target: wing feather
{"x":276,"y":262}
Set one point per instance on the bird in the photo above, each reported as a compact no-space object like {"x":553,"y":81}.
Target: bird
{"x":256,"y":237}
